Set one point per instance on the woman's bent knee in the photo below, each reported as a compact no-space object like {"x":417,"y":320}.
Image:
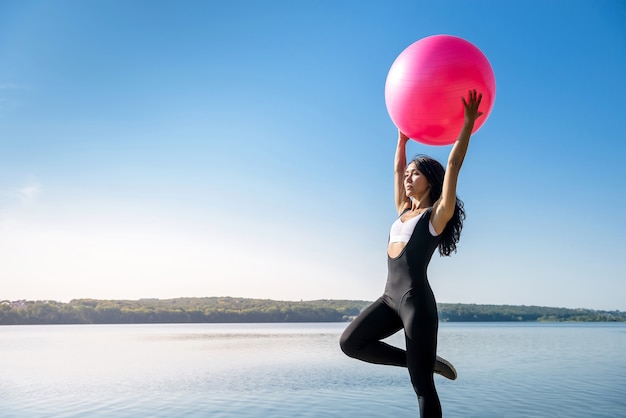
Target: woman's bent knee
{"x":346,"y":342}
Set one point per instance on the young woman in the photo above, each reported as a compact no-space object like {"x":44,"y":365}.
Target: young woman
{"x":430,"y":217}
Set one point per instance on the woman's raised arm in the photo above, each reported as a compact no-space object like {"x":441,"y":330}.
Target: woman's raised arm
{"x":443,"y":209}
{"x":399,"y":168}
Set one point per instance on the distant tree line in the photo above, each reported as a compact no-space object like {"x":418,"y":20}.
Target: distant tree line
{"x":233,"y":310}
{"x":181,"y":310}
{"x":449,"y":312}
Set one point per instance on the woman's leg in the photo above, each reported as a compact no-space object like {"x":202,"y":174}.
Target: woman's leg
{"x":419,"y":315}
{"x":362,"y":338}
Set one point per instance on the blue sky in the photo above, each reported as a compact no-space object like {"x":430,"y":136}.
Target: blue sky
{"x":243,"y":148}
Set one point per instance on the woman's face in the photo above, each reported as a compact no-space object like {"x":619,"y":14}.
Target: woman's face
{"x":415,"y":183}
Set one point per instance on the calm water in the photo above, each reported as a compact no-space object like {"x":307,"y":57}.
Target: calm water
{"x":297,"y":370}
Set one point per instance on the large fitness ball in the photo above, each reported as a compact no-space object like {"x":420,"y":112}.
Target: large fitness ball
{"x":425,"y":85}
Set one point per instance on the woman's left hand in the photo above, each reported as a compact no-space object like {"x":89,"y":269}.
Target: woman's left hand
{"x":471,"y":106}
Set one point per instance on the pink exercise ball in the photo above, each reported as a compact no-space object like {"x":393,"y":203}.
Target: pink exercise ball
{"x":425,"y":85}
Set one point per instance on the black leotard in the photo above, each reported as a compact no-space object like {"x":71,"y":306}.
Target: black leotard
{"x":407,"y":303}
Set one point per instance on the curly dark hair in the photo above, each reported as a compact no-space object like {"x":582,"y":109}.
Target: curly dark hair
{"x":434,"y":172}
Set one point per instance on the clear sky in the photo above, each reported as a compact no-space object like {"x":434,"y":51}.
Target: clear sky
{"x":243,"y":148}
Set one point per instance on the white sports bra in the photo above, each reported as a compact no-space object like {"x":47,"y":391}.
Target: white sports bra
{"x":402,"y":231}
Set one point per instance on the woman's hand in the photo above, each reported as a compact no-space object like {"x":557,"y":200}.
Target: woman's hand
{"x":402,"y":136}
{"x":471,"y":106}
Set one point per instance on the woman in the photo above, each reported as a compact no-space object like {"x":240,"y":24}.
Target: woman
{"x":430,"y":217}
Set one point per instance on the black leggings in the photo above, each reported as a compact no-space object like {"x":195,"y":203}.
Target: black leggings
{"x":407,"y":303}
{"x":417,"y":315}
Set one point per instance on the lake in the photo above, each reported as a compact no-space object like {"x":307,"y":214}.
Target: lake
{"x":297,"y":370}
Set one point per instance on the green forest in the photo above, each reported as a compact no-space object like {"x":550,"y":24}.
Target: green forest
{"x":232,"y":310}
